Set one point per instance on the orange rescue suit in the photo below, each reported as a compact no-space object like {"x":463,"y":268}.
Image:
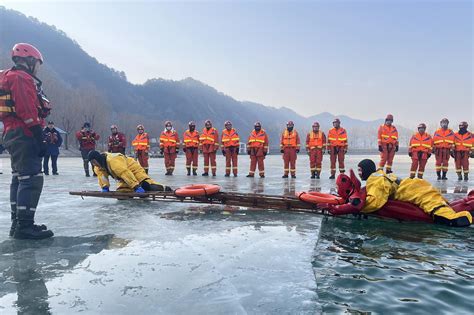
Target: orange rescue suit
{"x":141,"y":145}
{"x":290,"y":144}
{"x":257,"y":148}
{"x":420,"y":150}
{"x":230,"y":145}
{"x":443,"y":143}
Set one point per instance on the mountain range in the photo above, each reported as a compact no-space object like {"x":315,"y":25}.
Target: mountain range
{"x":157,"y":100}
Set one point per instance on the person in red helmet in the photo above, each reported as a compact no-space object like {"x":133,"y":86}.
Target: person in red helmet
{"x":23,"y":108}
{"x":141,"y":146}
{"x":443,"y":144}
{"x":463,"y":149}
{"x":117,"y":141}
{"x":315,"y":147}
{"x":209,"y":143}
{"x":388,"y":143}
{"x":191,"y":148}
{"x":290,"y":147}
{"x":257,"y":148}
{"x":169,"y":146}
{"x":230,"y":145}
{"x":421,"y":146}
{"x":337,"y":147}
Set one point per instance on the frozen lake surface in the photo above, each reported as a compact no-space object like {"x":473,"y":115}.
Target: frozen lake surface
{"x":119,"y":257}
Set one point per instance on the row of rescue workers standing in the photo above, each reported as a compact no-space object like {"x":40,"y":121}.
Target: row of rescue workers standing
{"x":445,"y":143}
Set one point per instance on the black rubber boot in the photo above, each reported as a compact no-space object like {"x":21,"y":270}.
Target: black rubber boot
{"x":284,"y":176}
{"x":250,"y":175}
{"x":459,"y":176}
{"x":86,"y":168}
{"x":195,"y":173}
{"x":466,"y":177}
{"x":332,"y":177}
{"x":189,"y":171}
{"x":293,"y":176}
{"x":389,"y":171}
{"x":444,"y":175}
{"x":313,"y":175}
{"x":438,"y":173}
{"x":205,"y":174}
{"x":262,"y":175}
{"x":318,"y":175}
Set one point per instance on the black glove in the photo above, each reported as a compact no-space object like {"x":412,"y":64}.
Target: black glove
{"x":409,"y":154}
{"x":38,"y":135}
{"x":282,"y":151}
{"x":248,"y":152}
{"x":162,"y":151}
{"x":297,"y":151}
{"x":471,"y":155}
{"x":237,"y":151}
{"x":452,"y":154}
{"x":2,"y":148}
{"x":184,"y":150}
{"x":429,"y":155}
{"x":223,"y":152}
{"x":380,"y":148}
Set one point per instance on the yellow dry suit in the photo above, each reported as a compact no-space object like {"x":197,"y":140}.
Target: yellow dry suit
{"x":128,"y":173}
{"x":381,"y":187}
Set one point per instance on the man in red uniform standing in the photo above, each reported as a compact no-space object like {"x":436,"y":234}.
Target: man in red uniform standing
{"x":117,"y":141}
{"x":421,"y":146}
{"x":169,"y":147}
{"x":141,"y":146}
{"x":209,"y":141}
{"x":337,"y":147}
{"x":315,"y":147}
{"x":388,"y":143}
{"x":443,"y":143}
{"x":23,"y":107}
{"x":191,"y":148}
{"x":463,"y":149}
{"x":257,"y":148}
{"x":230,"y":144}
{"x":290,"y":147}
{"x":87,"y":140}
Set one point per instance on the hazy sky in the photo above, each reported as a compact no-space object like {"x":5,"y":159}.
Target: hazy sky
{"x":361,"y":58}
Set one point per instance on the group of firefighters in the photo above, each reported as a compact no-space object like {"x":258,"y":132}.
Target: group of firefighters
{"x":24,"y":107}
{"x":445,"y":143}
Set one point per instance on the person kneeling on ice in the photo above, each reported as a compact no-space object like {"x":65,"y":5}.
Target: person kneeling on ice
{"x":381,"y":187}
{"x":130,"y":175}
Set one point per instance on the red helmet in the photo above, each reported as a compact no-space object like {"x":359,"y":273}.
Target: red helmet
{"x":463,"y":124}
{"x":347,"y":185}
{"x":422,"y":125}
{"x":227,"y":123}
{"x":23,"y":50}
{"x":290,"y":123}
{"x":389,"y":117}
{"x":315,"y":124}
{"x":336,"y":120}
{"x":140,"y":127}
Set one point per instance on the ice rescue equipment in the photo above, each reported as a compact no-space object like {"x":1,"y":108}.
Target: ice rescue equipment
{"x":197,"y":190}
{"x":317,"y":197}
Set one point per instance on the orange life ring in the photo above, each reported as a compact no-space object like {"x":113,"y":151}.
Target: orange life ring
{"x":197,"y":190}
{"x":319,"y":197}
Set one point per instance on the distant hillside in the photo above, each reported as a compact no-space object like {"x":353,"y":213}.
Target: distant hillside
{"x":81,"y":89}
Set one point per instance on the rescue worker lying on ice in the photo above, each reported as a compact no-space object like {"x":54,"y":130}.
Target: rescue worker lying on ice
{"x":381,"y":187}
{"x":130,"y":175}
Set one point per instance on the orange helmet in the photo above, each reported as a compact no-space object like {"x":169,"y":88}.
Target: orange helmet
{"x":24,"y":50}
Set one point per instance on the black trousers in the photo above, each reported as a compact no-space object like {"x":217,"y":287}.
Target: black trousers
{"x":54,"y":163}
